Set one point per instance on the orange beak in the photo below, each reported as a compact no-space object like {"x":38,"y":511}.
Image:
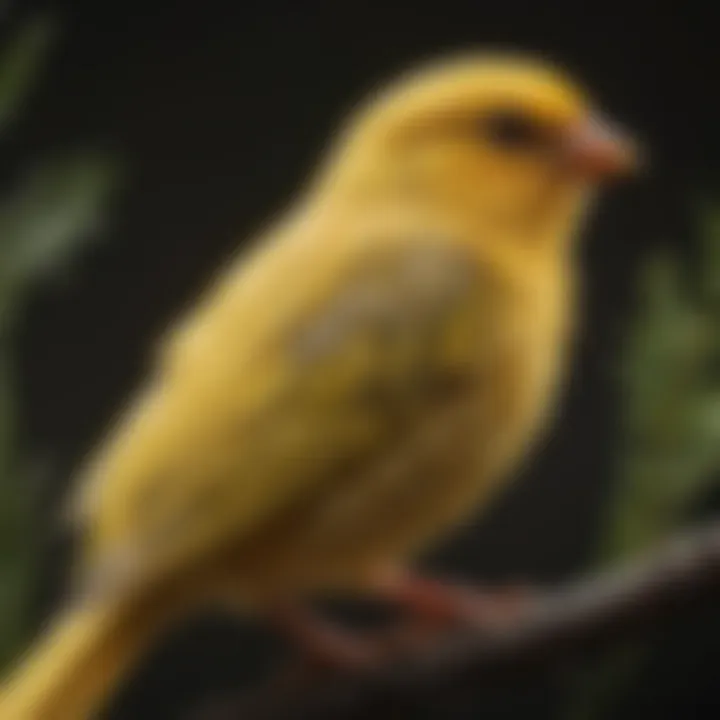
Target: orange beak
{"x":598,"y":151}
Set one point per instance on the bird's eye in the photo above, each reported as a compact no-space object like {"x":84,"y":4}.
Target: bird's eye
{"x":512,"y":131}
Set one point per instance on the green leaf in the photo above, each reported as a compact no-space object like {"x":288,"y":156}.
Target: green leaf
{"x":671,"y":433}
{"x":20,"y":62}
{"x":670,"y":447}
{"x":47,"y":219}
{"x":710,"y":234}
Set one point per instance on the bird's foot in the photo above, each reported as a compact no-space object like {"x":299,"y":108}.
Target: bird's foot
{"x":434,"y":606}
{"x":438,"y":603}
{"x":325,"y":646}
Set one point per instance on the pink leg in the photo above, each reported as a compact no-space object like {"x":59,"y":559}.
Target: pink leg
{"x":441,"y":603}
{"x":324,"y":645}
{"x":434,"y":605}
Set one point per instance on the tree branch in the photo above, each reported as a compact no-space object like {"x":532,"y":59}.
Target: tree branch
{"x":615,"y":604}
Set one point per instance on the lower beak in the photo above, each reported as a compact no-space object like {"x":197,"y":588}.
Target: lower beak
{"x":598,"y":151}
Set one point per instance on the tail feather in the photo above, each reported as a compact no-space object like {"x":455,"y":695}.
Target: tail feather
{"x":84,"y":654}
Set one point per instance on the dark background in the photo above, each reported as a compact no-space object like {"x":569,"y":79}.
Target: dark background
{"x":219,"y":111}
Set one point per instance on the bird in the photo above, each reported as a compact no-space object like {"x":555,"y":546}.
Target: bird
{"x":359,"y":381}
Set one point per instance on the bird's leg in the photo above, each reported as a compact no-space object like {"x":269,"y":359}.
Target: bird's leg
{"x":324,"y":645}
{"x":433,"y":604}
{"x":438,"y":603}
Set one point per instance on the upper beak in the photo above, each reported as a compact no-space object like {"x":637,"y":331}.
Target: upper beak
{"x":597,"y":150}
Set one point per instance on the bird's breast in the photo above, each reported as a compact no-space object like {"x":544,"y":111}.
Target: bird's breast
{"x":519,"y":374}
{"x":520,"y":357}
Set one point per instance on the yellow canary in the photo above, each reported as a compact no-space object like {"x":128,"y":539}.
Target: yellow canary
{"x":359,"y":385}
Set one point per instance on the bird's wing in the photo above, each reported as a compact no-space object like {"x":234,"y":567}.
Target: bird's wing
{"x":227,"y":440}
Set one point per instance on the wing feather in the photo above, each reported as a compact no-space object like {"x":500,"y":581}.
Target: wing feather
{"x":220,"y":444}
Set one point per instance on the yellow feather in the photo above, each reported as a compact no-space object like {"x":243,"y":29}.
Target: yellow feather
{"x":360,"y":384}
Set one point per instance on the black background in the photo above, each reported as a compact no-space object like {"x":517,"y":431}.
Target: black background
{"x":219,"y":111}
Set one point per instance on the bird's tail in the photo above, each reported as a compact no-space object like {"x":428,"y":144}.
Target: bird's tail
{"x":83,"y":655}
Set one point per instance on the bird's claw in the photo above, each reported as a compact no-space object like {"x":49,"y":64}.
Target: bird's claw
{"x":440,"y":604}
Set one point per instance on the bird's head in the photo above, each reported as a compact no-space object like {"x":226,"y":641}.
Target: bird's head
{"x":510,"y":142}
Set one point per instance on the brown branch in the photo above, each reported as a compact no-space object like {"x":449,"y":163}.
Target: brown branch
{"x":613,"y":605}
